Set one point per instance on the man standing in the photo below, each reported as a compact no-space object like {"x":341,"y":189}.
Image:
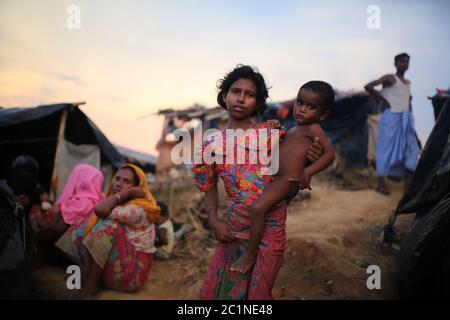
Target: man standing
{"x":397,"y":145}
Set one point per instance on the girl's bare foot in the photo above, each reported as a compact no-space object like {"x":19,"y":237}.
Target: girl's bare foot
{"x":244,"y":263}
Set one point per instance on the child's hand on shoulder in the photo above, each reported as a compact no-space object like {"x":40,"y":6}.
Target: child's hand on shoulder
{"x":273,"y":124}
{"x":305,"y":180}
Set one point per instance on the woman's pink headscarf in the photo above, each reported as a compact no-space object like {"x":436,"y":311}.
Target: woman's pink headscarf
{"x":81,"y":193}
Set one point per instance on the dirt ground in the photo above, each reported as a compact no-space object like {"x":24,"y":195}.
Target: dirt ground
{"x":332,"y":238}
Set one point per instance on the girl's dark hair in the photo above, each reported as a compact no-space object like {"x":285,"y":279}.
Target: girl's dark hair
{"x":244,"y":72}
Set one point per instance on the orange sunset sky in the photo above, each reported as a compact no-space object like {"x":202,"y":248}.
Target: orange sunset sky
{"x":132,"y":58}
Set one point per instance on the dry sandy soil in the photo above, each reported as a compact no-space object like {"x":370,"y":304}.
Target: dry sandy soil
{"x":332,"y":238}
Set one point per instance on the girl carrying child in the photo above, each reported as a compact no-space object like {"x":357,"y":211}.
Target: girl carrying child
{"x":243,"y":94}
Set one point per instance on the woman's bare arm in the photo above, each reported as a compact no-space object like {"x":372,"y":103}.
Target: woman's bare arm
{"x":105,"y":207}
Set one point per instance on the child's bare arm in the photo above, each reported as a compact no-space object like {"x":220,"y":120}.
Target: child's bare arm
{"x":161,"y":237}
{"x":327,"y":156}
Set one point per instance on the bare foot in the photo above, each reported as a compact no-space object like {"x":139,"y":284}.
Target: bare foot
{"x":244,"y":263}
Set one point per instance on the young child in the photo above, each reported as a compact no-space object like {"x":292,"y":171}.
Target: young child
{"x":165,"y":238}
{"x":313,"y":103}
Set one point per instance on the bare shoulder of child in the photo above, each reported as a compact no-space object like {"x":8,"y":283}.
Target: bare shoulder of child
{"x":313,"y":129}
{"x":293,"y":152}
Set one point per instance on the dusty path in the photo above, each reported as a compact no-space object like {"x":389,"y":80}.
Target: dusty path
{"x":332,"y":238}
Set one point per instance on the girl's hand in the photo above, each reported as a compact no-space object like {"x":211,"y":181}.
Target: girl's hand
{"x":305,"y":180}
{"x":273,"y":124}
{"x":221,"y":231}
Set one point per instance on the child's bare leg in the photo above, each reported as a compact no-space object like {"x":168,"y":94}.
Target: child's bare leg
{"x":275,"y":192}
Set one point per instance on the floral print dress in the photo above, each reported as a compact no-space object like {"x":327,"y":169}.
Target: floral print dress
{"x":243,"y":183}
{"x":123,"y":245}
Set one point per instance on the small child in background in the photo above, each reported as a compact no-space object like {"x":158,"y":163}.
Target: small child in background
{"x":165,"y":238}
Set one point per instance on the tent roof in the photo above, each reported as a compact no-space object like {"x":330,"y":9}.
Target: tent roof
{"x":143,"y":158}
{"x":79,"y":129}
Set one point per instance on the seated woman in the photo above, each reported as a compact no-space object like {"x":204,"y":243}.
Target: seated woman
{"x":76,"y":203}
{"x":117,"y":245}
{"x":81,"y":193}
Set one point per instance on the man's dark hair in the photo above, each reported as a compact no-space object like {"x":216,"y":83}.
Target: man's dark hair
{"x":23,"y":177}
{"x":27,"y":163}
{"x":400,"y":56}
{"x":244,"y":72}
{"x":164,"y":209}
{"x":324,"y":90}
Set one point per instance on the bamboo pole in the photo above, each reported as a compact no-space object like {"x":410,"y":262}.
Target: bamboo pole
{"x":56,"y":163}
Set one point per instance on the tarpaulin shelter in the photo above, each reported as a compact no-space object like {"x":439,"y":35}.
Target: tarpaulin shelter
{"x":146,"y":162}
{"x":424,"y":258}
{"x":346,"y":126}
{"x":439,"y":100}
{"x":187,"y":119}
{"x":58,"y":136}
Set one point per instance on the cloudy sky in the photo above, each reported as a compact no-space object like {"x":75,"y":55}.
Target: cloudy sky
{"x":131,"y":58}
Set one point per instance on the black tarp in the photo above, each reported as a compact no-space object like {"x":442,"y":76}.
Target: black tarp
{"x":34,"y":131}
{"x":347,"y":128}
{"x":431,"y":180}
{"x":424,"y":258}
{"x":439,"y":100}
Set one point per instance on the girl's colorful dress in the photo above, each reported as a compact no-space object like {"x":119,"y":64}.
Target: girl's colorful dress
{"x":243,"y":183}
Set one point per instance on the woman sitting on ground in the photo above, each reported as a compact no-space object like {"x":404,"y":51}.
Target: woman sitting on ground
{"x":117,"y":246}
{"x":76,"y":203}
